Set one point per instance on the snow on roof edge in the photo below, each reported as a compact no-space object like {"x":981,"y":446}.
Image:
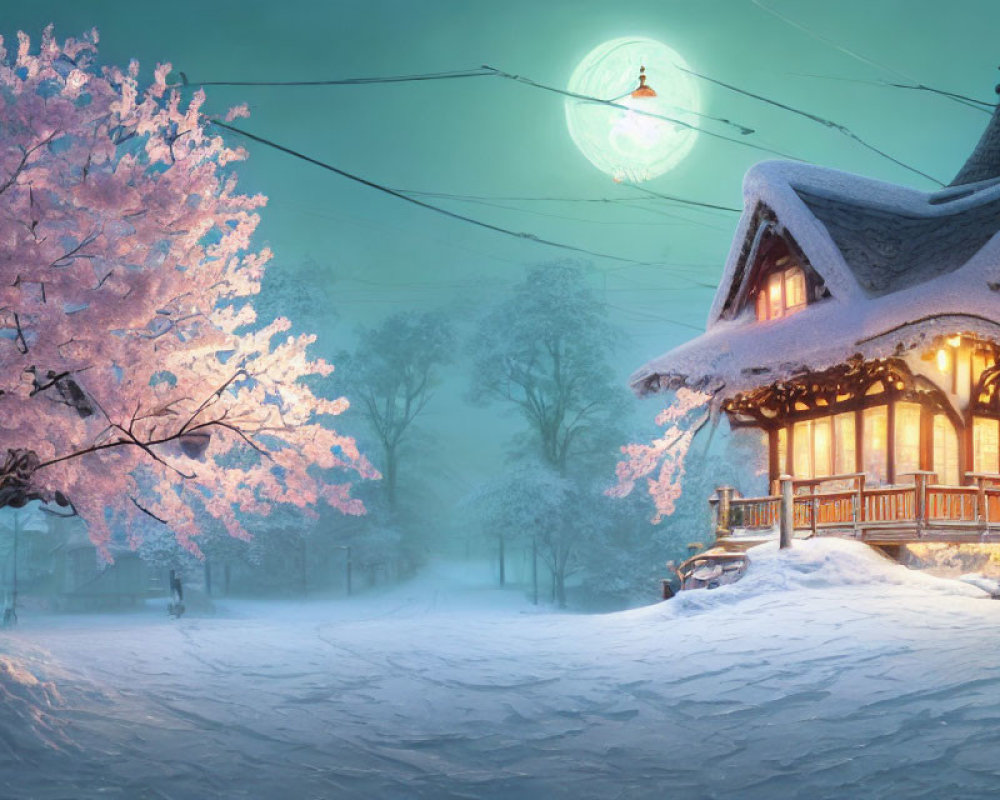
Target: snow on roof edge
{"x":862,"y":319}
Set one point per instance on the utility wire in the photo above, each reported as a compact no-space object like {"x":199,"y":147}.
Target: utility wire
{"x":606,"y":200}
{"x":428,"y":76}
{"x":429,"y":206}
{"x":962,"y":99}
{"x":836,"y":126}
{"x":979,"y":105}
{"x":626,"y":203}
{"x":835,"y":45}
{"x":549,"y":215}
{"x":912,"y":83}
{"x":481,"y":72}
{"x":638,"y":111}
{"x":488,"y":71}
{"x":674,"y":199}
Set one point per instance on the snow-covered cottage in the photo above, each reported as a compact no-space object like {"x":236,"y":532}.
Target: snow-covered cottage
{"x":857,"y":325}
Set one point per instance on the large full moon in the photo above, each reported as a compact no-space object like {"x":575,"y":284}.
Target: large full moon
{"x":633,"y":147}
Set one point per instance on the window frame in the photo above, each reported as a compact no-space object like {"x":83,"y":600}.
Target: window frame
{"x":781,"y":276}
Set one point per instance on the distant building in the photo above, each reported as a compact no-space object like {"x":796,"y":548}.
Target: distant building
{"x":58,"y":567}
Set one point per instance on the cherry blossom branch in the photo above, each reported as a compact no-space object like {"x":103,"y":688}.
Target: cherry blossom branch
{"x":24,"y":160}
{"x":22,"y":345}
{"x":147,"y":512}
{"x":242,"y":434}
{"x":212,"y":398}
{"x":146,"y":446}
{"x":75,"y":253}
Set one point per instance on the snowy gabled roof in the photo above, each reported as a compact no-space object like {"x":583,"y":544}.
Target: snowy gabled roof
{"x":887,"y":250}
{"x":984,"y":163}
{"x":901,"y":267}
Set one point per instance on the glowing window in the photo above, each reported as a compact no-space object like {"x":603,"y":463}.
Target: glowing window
{"x":844,"y":444}
{"x":874,"y":437}
{"x":812,"y":448}
{"x":783,"y":293}
{"x":776,"y":306}
{"x":945,"y":450}
{"x":802,"y":461}
{"x":907,"y":436}
{"x":822,"y":448}
{"x":782,"y":450}
{"x":795,"y":289}
{"x":985,"y":440}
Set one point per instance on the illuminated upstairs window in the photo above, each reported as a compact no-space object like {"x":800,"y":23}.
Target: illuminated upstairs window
{"x":782,"y":293}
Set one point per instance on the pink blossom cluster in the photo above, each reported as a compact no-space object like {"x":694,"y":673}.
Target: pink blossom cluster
{"x":665,"y":455}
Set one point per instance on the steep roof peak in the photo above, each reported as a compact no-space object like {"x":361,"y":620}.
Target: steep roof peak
{"x":984,"y":163}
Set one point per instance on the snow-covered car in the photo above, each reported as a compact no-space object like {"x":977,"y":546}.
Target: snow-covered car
{"x":711,"y":569}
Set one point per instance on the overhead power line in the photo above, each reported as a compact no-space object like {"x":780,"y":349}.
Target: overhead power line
{"x":979,"y":105}
{"x":912,"y":83}
{"x":836,"y":126}
{"x":643,"y":113}
{"x":635,"y":205}
{"x":674,"y":199}
{"x":427,"y":76}
{"x":488,"y":71}
{"x":962,"y":99}
{"x":605,"y":200}
{"x":422,"y":204}
{"x":480,"y":72}
{"x":835,"y":45}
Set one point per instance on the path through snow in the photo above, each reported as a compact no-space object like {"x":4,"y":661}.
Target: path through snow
{"x":826,"y":672}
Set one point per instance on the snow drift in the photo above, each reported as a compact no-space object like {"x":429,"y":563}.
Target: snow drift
{"x":827,"y":672}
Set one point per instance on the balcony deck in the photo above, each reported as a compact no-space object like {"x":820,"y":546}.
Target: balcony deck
{"x":920,"y":511}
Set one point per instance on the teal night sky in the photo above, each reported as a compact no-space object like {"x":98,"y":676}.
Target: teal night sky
{"x":364,"y":255}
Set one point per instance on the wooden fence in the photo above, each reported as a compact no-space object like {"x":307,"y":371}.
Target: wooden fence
{"x":843,"y":504}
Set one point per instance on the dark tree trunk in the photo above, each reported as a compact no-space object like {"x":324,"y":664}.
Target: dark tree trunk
{"x":391,"y":464}
{"x":503,"y":567}
{"x":534,"y":568}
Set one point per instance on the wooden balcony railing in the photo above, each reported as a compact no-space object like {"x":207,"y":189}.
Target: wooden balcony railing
{"x":922,"y":508}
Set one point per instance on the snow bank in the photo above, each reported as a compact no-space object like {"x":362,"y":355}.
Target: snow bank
{"x":28,"y":706}
{"x":827,"y":672}
{"x":812,"y":565}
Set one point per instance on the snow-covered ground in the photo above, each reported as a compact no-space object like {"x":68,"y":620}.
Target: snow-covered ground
{"x":826,"y":672}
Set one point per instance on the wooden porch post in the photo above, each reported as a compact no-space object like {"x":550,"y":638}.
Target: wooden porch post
{"x":920,"y":498}
{"x":723,"y":511}
{"x":787,"y":520}
{"x":859,"y":504}
{"x":982,"y":512}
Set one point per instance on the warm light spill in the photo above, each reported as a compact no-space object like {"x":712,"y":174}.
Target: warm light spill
{"x":943,"y":360}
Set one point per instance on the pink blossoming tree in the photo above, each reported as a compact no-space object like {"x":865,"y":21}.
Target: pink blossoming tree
{"x":135,"y":381}
{"x":665,"y":455}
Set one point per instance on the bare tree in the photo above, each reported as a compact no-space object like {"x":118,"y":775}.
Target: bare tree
{"x":391,"y":374}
